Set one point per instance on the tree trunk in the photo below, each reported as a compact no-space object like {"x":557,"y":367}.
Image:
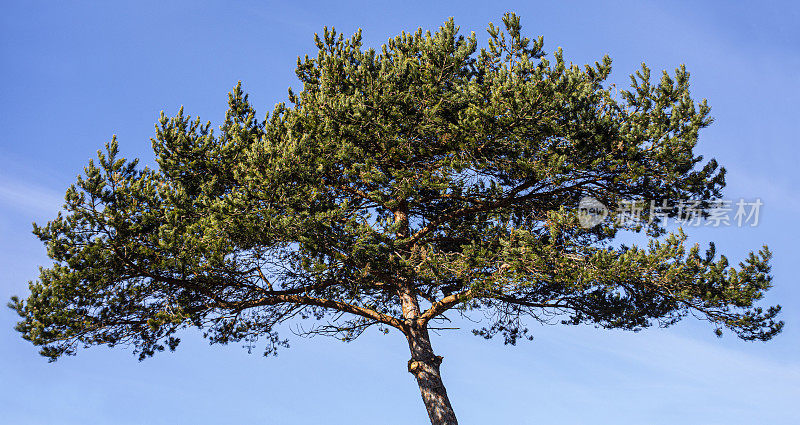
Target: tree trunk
{"x":424,"y":365}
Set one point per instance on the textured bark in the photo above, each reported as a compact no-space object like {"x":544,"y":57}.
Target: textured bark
{"x":424,"y":365}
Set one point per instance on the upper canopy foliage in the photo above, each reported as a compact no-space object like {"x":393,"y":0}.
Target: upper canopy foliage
{"x":428,"y":165}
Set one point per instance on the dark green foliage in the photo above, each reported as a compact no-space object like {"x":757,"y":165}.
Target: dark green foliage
{"x":428,"y":166}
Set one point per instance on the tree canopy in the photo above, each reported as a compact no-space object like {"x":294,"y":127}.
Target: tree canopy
{"x":399,"y":184}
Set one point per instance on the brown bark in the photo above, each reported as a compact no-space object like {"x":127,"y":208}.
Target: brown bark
{"x":424,"y":365}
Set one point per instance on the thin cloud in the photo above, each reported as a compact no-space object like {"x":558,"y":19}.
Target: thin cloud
{"x":29,"y":197}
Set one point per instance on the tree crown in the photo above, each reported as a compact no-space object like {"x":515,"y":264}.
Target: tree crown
{"x":428,"y":169}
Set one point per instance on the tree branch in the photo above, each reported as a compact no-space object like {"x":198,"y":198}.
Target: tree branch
{"x":327,"y":303}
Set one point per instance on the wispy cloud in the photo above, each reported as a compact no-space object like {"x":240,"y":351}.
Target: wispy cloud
{"x":710,"y":372}
{"x":29,"y":197}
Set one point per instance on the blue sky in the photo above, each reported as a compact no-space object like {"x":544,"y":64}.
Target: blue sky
{"x":74,"y":75}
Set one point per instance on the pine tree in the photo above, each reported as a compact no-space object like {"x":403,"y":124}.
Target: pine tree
{"x":398,"y":185}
